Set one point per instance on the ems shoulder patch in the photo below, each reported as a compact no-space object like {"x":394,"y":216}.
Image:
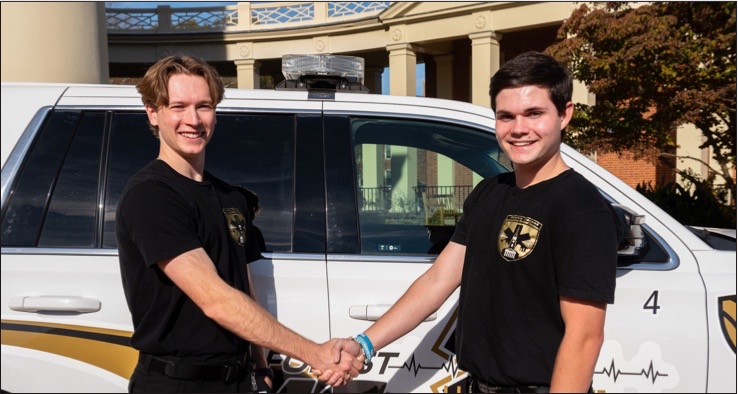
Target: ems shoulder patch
{"x":236,"y":224}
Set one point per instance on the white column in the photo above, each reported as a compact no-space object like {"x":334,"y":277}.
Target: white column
{"x":373,"y":79}
{"x":444,"y":90}
{"x":485,"y":48}
{"x":54,"y":42}
{"x":164,"y":17}
{"x":372,"y":159}
{"x":582,"y":95}
{"x":404,"y":165}
{"x":444,"y":76}
{"x":244,"y":15}
{"x":247,"y":73}
{"x":320,"y":11}
{"x":445,"y":168}
{"x":402,"y":61}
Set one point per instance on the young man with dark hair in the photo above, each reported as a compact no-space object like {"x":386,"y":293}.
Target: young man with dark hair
{"x":534,"y":254}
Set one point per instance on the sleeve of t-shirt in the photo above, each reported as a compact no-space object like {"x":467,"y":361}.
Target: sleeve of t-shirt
{"x":160,"y":222}
{"x":586,"y":257}
{"x":462,"y":231}
{"x":256,"y":245}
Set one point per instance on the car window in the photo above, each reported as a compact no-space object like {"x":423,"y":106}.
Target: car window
{"x":412,"y":180}
{"x":69,"y":187}
{"x":258,"y":152}
{"x":131,"y":145}
{"x":72,"y":215}
{"x":25,"y":211}
{"x":254,"y":151}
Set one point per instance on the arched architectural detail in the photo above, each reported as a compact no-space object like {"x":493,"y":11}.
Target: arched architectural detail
{"x":394,"y":35}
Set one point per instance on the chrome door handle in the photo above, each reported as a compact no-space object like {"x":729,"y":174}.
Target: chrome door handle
{"x":54,"y":304}
{"x":374,"y":312}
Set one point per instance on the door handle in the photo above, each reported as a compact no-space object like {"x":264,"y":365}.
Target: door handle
{"x":374,"y":312}
{"x":54,"y":304}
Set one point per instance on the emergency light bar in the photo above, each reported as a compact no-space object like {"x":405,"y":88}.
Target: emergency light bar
{"x":349,"y":67}
{"x":323,"y":72}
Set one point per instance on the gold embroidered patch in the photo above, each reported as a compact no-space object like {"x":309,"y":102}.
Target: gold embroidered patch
{"x":236,"y":224}
{"x":518,"y":236}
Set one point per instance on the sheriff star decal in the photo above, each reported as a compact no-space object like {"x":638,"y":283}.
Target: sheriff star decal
{"x":518,"y":236}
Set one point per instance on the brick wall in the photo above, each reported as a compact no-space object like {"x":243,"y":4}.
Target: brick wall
{"x":644,"y":170}
{"x":462,"y":175}
{"x":633,"y":171}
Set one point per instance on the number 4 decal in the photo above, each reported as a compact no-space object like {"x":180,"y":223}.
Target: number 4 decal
{"x":652,"y":302}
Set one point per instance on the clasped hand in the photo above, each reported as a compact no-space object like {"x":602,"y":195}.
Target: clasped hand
{"x":347,"y":360}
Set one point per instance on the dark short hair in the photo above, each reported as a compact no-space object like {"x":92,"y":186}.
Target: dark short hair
{"x":534,"y":68}
{"x":154,"y":86}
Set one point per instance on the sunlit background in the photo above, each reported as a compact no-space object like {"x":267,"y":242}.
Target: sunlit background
{"x":419,"y":70}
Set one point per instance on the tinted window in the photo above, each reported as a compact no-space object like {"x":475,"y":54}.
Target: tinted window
{"x":71,"y":220}
{"x":56,"y":199}
{"x":254,"y":151}
{"x":413,"y":178}
{"x":258,"y":152}
{"x":26,"y":208}
{"x":131,"y":145}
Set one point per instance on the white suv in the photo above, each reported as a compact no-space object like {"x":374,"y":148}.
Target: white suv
{"x":358,"y":193}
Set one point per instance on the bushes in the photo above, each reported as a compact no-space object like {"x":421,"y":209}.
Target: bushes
{"x":695,"y":206}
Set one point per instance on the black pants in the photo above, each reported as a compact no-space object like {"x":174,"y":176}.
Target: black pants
{"x":145,"y":380}
{"x":480,"y":386}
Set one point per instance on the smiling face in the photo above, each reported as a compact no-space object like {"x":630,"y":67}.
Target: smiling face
{"x":528,"y":129}
{"x":186,"y":124}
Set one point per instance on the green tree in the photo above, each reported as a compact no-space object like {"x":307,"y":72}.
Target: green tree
{"x":653,"y":68}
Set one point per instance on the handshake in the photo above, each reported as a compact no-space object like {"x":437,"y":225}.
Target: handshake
{"x":347,"y":357}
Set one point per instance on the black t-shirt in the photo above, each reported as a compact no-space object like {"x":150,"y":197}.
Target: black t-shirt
{"x":161,"y":215}
{"x":524,"y":249}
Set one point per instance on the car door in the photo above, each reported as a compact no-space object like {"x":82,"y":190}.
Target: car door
{"x":399,"y":181}
{"x":656,"y":331}
{"x":278,"y":154}
{"x":63,"y":302}
{"x":660,"y":302}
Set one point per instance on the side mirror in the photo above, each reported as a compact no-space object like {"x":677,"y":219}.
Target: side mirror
{"x":632,"y":240}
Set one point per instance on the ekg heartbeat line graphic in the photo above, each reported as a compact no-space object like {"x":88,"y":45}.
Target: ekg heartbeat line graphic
{"x":414,"y":368}
{"x":615,"y":373}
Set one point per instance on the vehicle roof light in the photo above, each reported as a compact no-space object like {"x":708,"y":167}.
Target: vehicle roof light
{"x":349,"y":67}
{"x":323,"y":75}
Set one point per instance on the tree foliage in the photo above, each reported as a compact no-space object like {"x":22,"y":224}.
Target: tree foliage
{"x":653,"y":68}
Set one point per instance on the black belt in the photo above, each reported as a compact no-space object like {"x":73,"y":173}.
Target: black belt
{"x":481,"y":386}
{"x":227,"y":372}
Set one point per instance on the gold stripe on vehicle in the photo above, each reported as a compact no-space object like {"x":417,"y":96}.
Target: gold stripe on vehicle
{"x":104,"y":348}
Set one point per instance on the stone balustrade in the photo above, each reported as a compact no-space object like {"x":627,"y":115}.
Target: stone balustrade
{"x":244,"y":16}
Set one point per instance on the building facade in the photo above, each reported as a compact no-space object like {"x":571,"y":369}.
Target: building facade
{"x":460,"y":44}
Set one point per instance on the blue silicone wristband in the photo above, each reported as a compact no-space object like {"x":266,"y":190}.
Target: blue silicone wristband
{"x":364,"y":349}
{"x":366,"y":346}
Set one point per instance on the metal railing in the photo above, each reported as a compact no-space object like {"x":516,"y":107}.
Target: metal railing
{"x":457,"y":194}
{"x":375,"y":198}
{"x":244,"y":16}
{"x":380,"y":198}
